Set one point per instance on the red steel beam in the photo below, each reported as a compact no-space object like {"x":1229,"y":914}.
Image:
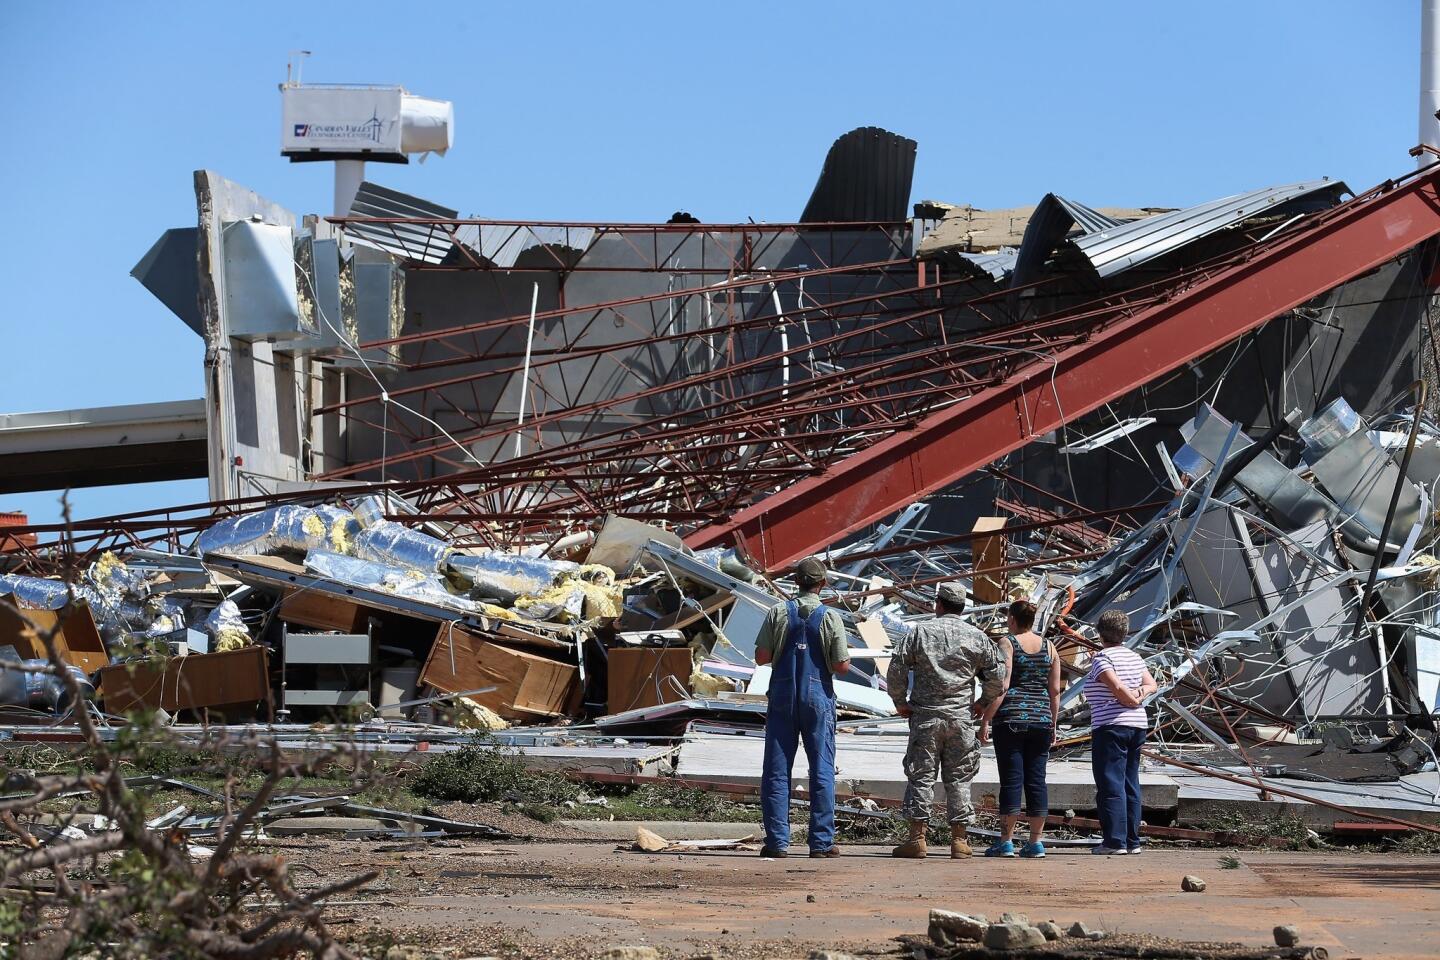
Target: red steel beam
{"x":1047,"y":392}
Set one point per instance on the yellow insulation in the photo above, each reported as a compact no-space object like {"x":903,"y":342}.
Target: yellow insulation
{"x":313,"y":526}
{"x":470,"y":715}
{"x":499,"y":613}
{"x":107,"y":566}
{"x":230,"y":638}
{"x":600,"y":601}
{"x":705,"y":685}
{"x":1431,"y":577}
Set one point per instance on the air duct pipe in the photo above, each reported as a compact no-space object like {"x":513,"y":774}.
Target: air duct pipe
{"x":1429,"y":78}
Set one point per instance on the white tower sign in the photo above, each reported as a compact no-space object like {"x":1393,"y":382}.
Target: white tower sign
{"x":349,"y":124}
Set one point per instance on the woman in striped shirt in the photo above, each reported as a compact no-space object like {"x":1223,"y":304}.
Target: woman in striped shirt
{"x":1116,"y":688}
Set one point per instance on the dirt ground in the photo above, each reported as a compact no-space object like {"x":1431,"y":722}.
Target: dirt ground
{"x":558,"y":899}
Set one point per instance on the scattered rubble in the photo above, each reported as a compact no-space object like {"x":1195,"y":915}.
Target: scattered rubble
{"x":589,"y":606}
{"x":631,"y":953}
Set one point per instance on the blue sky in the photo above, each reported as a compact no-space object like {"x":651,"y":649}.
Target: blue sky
{"x":630,"y":111}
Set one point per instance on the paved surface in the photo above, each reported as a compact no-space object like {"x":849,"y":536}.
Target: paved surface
{"x":623,"y":831}
{"x":1356,"y":905}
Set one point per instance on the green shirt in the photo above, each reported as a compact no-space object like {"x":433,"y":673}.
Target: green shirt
{"x":832,"y":630}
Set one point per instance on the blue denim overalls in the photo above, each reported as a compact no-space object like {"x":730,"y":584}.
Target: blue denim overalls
{"x":802,"y":708}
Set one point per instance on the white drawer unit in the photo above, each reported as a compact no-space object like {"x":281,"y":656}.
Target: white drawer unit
{"x":335,"y":667}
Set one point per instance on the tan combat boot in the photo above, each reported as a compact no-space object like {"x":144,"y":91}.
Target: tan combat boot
{"x":914,"y":846}
{"x":959,"y":847}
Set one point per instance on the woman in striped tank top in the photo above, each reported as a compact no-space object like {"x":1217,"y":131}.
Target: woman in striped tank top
{"x":1116,"y":688}
{"x":1024,"y":727}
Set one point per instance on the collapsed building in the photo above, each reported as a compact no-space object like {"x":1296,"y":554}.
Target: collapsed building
{"x":466,"y":472}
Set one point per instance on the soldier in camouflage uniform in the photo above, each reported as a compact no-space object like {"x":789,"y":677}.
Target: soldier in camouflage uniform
{"x":944,"y":656}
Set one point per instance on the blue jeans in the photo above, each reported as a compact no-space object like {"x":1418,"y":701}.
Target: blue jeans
{"x":1115,"y":760}
{"x":1021,"y":752}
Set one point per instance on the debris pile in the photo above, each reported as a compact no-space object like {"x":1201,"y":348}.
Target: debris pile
{"x":357,"y":612}
{"x":1026,"y":400}
{"x":1287,"y":612}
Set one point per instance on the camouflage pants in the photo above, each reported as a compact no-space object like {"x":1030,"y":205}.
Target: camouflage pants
{"x":945,"y":747}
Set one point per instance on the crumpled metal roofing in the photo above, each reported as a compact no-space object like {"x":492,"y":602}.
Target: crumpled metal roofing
{"x":1052,"y":220}
{"x":1088,"y":219}
{"x":502,"y":244}
{"x":866,"y":177}
{"x":995,"y":265}
{"x":412,"y":241}
{"x":1113,"y":250}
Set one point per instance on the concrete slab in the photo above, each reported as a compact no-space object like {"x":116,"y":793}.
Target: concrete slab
{"x":640,"y":760}
{"x":874,"y":766}
{"x":1410,"y":798}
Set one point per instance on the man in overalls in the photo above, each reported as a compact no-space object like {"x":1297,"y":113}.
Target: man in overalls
{"x":804,"y":642}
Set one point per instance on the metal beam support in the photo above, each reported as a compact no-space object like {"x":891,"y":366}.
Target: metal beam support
{"x":1049,"y":391}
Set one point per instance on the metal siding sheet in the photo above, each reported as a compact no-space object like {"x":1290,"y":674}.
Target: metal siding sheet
{"x":503,"y":244}
{"x":866,"y":178}
{"x":408,"y":240}
{"x":1086,"y":218}
{"x":1116,"y":249}
{"x":994,"y":265}
{"x":1053,"y":219}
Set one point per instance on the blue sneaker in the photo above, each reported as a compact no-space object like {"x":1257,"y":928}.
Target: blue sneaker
{"x":1000,"y":848}
{"x":1033,"y":850}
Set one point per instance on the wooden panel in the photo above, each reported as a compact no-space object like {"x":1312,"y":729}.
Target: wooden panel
{"x":525,"y":637}
{"x":527,"y":686}
{"x":988,"y":554}
{"x":79,"y":641}
{"x":236,"y":678}
{"x":309,"y":608}
{"x":873,"y":637}
{"x":648,"y":676}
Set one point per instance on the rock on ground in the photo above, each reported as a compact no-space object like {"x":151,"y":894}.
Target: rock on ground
{"x":1192,"y":884}
{"x":1287,"y":935}
{"x":1082,"y":932}
{"x":1050,"y":929}
{"x":1013,"y":936}
{"x":947,"y":926}
{"x":631,"y":953}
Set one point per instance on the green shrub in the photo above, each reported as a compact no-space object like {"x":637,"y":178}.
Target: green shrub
{"x":700,"y":804}
{"x":479,"y":773}
{"x":1281,"y":830}
{"x":1418,"y":841}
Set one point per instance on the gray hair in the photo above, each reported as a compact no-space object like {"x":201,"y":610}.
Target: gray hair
{"x":1114,"y":626}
